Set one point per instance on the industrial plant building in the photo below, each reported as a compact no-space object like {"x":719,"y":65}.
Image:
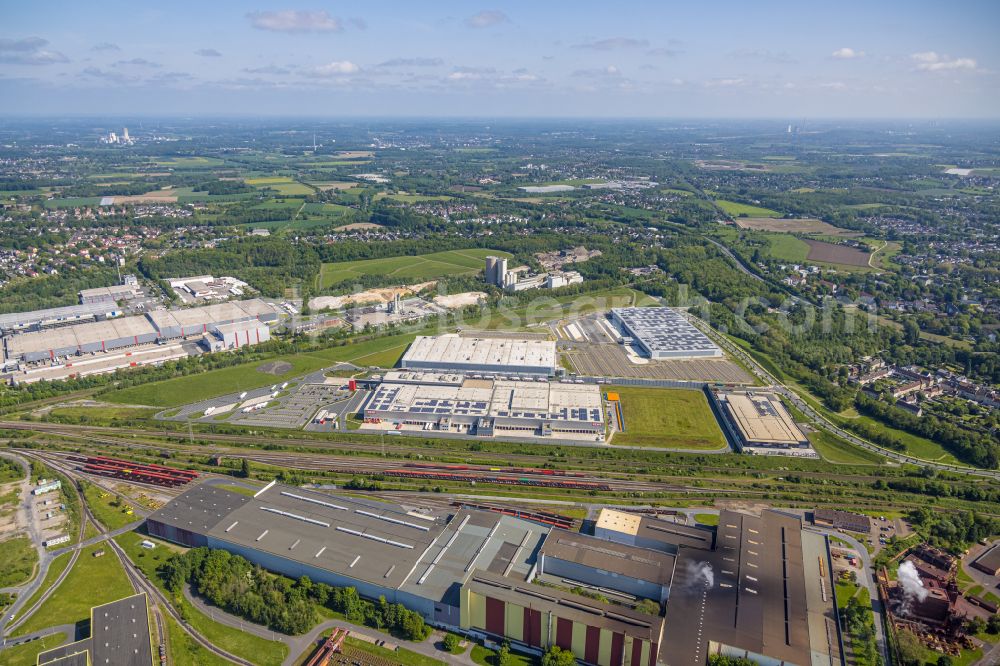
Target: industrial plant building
{"x":764,"y":590}
{"x":491,"y":356}
{"x":760,"y":424}
{"x":487,"y":407}
{"x":119,"y":635}
{"x":498,"y":275}
{"x":17,"y":322}
{"x":106,"y":335}
{"x":663,"y":333}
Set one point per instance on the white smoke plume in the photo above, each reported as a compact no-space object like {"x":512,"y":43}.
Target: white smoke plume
{"x":911,"y":585}
{"x":698,"y":576}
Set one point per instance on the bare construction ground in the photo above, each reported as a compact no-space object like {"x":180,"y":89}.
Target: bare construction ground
{"x":802,"y":226}
{"x":604,"y":360}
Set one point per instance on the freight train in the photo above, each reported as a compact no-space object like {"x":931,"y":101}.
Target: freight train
{"x":156,"y":475}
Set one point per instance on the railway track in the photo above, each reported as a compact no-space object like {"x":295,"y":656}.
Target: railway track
{"x":137,"y":580}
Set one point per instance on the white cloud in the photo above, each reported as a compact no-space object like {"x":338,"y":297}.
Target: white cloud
{"x":138,"y":62}
{"x":931,"y":61}
{"x":106,"y":46}
{"x":725,"y":83}
{"x":612,"y":43}
{"x":336,"y":68}
{"x":295,"y":21}
{"x":412,"y":62}
{"x":834,"y":85}
{"x":208,"y":53}
{"x":486,"y":19}
{"x":847,"y":53}
{"x":28,"y":51}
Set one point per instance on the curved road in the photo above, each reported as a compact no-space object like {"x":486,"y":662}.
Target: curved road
{"x":771,"y":383}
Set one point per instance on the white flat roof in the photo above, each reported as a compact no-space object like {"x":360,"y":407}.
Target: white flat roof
{"x":492,"y":398}
{"x":462,"y":352}
{"x":762,"y":418}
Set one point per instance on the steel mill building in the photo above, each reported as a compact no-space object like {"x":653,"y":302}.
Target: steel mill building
{"x":759,"y":587}
{"x":663,"y":333}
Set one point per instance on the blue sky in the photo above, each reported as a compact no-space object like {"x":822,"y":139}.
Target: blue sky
{"x":541,"y":58}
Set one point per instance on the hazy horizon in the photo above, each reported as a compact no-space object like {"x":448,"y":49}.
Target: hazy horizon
{"x":510,"y":59}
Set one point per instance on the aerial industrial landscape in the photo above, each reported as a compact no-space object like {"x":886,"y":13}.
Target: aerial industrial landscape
{"x":509,"y":337}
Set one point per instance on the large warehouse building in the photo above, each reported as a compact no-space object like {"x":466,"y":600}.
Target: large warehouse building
{"x":487,"y":407}
{"x":765,"y":591}
{"x":119,"y":635}
{"x":760,"y":424}
{"x":119,"y":333}
{"x":491,"y":356}
{"x":15,"y":322}
{"x":663,"y":333}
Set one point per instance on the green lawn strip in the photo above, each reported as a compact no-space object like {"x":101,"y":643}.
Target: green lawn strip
{"x":193,"y":388}
{"x":707,"y":518}
{"x":19,"y":558}
{"x":26,"y":654}
{"x":400,"y":656}
{"x":252,"y":648}
{"x":668,"y":418}
{"x":108,"y":509}
{"x":92,"y":581}
{"x":184,"y":651}
{"x":56,"y":567}
{"x":486,"y":657}
{"x":836,"y":450}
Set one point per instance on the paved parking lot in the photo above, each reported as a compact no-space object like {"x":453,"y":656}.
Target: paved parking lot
{"x":610,"y":360}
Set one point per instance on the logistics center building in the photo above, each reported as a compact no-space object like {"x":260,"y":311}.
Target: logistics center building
{"x":493,"y":356}
{"x":761,"y":588}
{"x":487,"y":407}
{"x":156,"y":326}
{"x":761,"y":423}
{"x":663,"y":333}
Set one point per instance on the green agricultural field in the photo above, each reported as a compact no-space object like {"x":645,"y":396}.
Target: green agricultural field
{"x":667,"y":418}
{"x":92,"y":581}
{"x":418,"y":268}
{"x":785,"y":247}
{"x":736,"y":209}
{"x":328,"y":209}
{"x":190,"y":162}
{"x":192,"y":388}
{"x":19,"y":558}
